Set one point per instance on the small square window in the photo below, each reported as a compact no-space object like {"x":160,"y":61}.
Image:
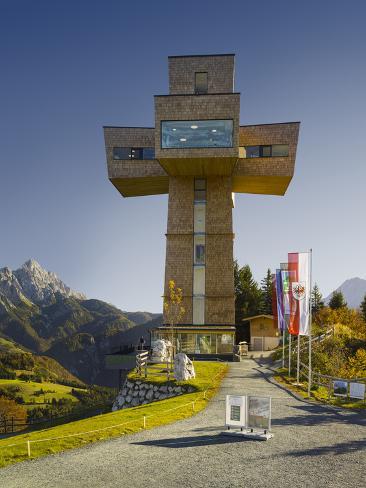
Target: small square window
{"x":252,"y":151}
{"x":266,"y":151}
{"x":200,"y":190}
{"x":149,"y":153}
{"x":200,"y":83}
{"x":121,"y":153}
{"x":199,"y":184}
{"x":279,"y":150}
{"x":136,"y":153}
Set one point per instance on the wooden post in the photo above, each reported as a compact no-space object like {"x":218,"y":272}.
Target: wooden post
{"x":12,"y":424}
{"x":29,"y":449}
{"x":144,"y":422}
{"x":146,"y":368}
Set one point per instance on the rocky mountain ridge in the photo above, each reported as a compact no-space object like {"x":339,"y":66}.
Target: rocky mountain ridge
{"x":43,"y":315}
{"x":32,"y":282}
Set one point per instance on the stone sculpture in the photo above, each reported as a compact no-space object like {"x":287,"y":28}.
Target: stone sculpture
{"x":160,"y":351}
{"x":183,"y":367}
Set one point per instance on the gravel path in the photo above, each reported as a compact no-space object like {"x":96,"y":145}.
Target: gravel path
{"x":313,"y":446}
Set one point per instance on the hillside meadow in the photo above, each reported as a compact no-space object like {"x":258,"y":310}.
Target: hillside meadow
{"x":121,"y":422}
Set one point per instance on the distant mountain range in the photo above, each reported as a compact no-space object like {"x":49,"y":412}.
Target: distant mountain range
{"x":353,"y":291}
{"x":42,"y":315}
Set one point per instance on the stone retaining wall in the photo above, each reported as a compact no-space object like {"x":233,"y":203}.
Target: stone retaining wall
{"x":134,"y":393}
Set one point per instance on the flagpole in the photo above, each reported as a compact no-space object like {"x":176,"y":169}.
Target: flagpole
{"x":298,"y":359}
{"x":310,"y":321}
{"x":289,"y":354}
{"x":283,"y":347}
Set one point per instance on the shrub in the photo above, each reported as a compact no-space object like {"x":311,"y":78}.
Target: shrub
{"x":10,"y":408}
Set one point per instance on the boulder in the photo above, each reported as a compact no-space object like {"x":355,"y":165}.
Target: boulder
{"x":160,"y":351}
{"x":183,"y":367}
{"x":149,"y":394}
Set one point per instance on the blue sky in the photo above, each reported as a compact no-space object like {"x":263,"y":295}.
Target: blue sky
{"x":70,"y":67}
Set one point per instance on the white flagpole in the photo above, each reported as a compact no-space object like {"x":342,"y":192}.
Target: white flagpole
{"x":310,"y":320}
{"x":283,"y":346}
{"x":289,"y":354}
{"x":298,"y":360}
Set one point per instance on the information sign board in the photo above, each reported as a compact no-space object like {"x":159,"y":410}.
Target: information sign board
{"x":235,"y":411}
{"x":340,"y":388}
{"x":357,"y":390}
{"x":259,"y":412}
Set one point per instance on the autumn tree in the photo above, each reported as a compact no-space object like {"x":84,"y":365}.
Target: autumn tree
{"x":173,"y":308}
{"x":11,"y":409}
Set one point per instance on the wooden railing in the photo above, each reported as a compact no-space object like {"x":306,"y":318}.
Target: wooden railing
{"x":325,"y":380}
{"x":10,"y":424}
{"x":144,"y":365}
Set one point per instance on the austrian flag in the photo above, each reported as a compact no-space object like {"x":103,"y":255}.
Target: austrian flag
{"x":299,"y":273}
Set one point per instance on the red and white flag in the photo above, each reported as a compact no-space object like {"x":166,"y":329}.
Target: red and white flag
{"x":299,"y":274}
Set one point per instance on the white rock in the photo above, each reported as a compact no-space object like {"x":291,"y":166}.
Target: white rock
{"x":160,"y":351}
{"x":183,"y":367}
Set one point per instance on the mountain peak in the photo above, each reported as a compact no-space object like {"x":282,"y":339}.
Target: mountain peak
{"x":353,"y":290}
{"x":32,"y":264}
{"x":34,"y":283}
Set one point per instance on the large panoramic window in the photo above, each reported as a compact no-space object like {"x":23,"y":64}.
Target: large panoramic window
{"x":196,"y":133}
{"x":274,"y":151}
{"x":133,"y":153}
{"x":200,"y":83}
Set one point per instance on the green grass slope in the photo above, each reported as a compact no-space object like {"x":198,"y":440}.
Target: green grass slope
{"x":82,"y":432}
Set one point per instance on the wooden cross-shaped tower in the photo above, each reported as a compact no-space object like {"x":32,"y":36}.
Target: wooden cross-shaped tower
{"x":200,"y":155}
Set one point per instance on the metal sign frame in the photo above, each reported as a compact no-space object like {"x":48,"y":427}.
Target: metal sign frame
{"x":268,"y":405}
{"x":235,"y":405}
{"x":340,"y":383}
{"x":359,"y":387}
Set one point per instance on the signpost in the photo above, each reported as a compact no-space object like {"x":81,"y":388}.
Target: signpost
{"x":259,"y":413}
{"x":252,"y":414}
{"x":357,"y":390}
{"x":340,"y":388}
{"x":236,"y":411}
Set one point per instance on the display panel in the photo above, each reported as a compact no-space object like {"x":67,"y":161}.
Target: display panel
{"x":259,"y":412}
{"x":340,"y":388}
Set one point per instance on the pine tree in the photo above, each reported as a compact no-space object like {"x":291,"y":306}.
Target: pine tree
{"x":267,"y":290}
{"x":337,"y":300}
{"x":317,"y":302}
{"x":363,"y":308}
{"x":248,"y":296}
